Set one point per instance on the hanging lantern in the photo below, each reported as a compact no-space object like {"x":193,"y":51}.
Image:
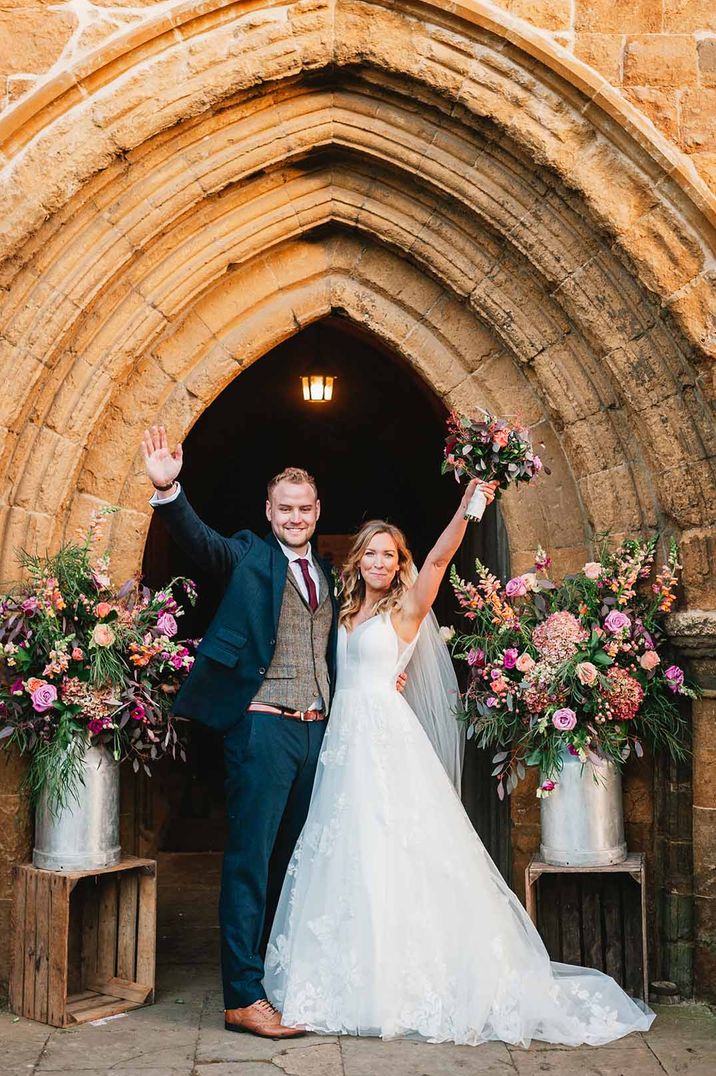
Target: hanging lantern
{"x":317,"y":388}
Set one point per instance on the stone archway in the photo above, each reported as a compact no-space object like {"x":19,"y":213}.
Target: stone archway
{"x":207,"y":184}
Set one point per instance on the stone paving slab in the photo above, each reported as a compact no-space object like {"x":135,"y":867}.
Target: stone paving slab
{"x":183,"y":1035}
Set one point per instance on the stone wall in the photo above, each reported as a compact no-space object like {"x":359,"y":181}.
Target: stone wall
{"x":201,"y":188}
{"x":660,"y":54}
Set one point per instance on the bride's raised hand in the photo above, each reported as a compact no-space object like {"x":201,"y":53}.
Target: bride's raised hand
{"x":161,"y":464}
{"x":488,"y":491}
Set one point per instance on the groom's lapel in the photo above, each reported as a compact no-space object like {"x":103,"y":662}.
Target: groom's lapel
{"x":279,"y":569}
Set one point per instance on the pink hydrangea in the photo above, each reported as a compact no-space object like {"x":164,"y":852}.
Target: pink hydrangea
{"x":624,"y":694}
{"x":559,"y":636}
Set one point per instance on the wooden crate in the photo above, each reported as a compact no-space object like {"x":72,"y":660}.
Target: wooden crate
{"x":83,"y":942}
{"x":594,"y":916}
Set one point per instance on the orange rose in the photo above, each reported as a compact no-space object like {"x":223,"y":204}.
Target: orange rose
{"x":34,"y":683}
{"x":103,"y":609}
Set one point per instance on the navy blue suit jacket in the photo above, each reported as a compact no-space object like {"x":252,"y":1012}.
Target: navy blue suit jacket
{"x":238,"y":646}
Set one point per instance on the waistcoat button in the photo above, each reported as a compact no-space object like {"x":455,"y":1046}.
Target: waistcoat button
{"x":262,"y":671}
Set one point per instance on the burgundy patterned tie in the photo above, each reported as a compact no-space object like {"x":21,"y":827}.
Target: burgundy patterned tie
{"x":310,"y":585}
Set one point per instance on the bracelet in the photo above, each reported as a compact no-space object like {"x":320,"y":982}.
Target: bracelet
{"x":164,"y":489}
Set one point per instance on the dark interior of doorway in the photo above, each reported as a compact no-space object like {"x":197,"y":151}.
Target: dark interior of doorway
{"x":375,"y":451}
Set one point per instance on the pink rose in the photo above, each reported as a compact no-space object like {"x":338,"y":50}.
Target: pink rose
{"x":43,"y":698}
{"x":564,"y":719}
{"x":525,"y":663}
{"x":617,"y":621}
{"x":103,"y":609}
{"x":167,"y":625}
{"x":509,"y":658}
{"x":103,"y":635}
{"x":475,"y":657}
{"x":77,"y":654}
{"x":516,"y":588}
{"x":674,"y":677}
{"x":592,"y":569}
{"x":586,"y":673}
{"x":649,"y":660}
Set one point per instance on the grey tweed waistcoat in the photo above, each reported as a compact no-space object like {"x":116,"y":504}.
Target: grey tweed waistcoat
{"x":298,"y":672}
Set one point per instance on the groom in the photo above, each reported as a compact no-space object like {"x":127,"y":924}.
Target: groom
{"x":263,"y":676}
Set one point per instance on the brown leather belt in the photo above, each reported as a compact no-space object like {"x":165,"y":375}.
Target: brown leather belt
{"x":283,"y":711}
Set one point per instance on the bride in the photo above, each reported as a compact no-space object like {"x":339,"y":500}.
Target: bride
{"x":393,"y":919}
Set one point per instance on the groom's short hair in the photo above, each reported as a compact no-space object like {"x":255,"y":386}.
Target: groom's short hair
{"x":297,"y":475}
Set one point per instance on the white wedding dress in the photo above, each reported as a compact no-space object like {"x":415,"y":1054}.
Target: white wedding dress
{"x":393,"y":919}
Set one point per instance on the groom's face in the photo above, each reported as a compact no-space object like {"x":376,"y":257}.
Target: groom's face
{"x":293,"y":510}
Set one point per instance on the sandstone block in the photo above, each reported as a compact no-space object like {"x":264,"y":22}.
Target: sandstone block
{"x":31,"y":41}
{"x":704,"y":852}
{"x":659,"y":104}
{"x":547,"y":14}
{"x":707,"y":61}
{"x":605,"y":16}
{"x":603,"y":52}
{"x":689,"y":15}
{"x":660,"y":60}
{"x":698,"y":119}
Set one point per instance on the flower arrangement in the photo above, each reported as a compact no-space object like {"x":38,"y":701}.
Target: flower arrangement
{"x":491,"y":449}
{"x":82,"y":664}
{"x":574,"y":667}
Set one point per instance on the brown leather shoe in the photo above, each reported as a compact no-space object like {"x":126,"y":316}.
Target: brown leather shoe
{"x":260,"y":1019}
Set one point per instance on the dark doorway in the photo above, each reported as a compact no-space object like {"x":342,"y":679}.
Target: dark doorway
{"x":375,"y":451}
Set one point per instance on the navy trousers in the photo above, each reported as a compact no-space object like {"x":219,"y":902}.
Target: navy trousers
{"x":270,"y":766}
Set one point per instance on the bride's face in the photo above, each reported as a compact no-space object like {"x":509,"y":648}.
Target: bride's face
{"x":379,"y":562}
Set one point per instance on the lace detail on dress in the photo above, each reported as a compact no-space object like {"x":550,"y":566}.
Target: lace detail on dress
{"x":393,"y":919}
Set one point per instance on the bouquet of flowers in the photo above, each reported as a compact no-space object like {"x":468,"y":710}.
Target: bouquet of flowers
{"x":576,"y":666}
{"x":490,"y":449}
{"x":82,"y":664}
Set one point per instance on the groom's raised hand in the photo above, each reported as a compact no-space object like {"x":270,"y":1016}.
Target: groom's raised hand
{"x":160,"y":463}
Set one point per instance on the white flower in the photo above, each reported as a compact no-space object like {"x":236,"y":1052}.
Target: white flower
{"x":447,"y":633}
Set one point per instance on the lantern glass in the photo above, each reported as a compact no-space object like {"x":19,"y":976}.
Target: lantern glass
{"x":317,"y":388}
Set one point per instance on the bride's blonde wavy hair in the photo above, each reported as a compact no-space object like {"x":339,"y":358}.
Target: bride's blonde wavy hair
{"x":352,"y":586}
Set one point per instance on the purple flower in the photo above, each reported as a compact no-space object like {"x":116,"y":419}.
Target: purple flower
{"x":617,"y":621}
{"x":536,"y":465}
{"x":30,"y":606}
{"x":138,"y":712}
{"x":176,"y":661}
{"x":43,"y":698}
{"x":17,"y":687}
{"x":491,"y":700}
{"x":509,"y":658}
{"x":495,"y":674}
{"x":167,"y":625}
{"x":564,"y":719}
{"x":476,"y":657}
{"x":572,"y":750}
{"x":674,"y":677}
{"x":96,"y":725}
{"x":516,"y":588}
